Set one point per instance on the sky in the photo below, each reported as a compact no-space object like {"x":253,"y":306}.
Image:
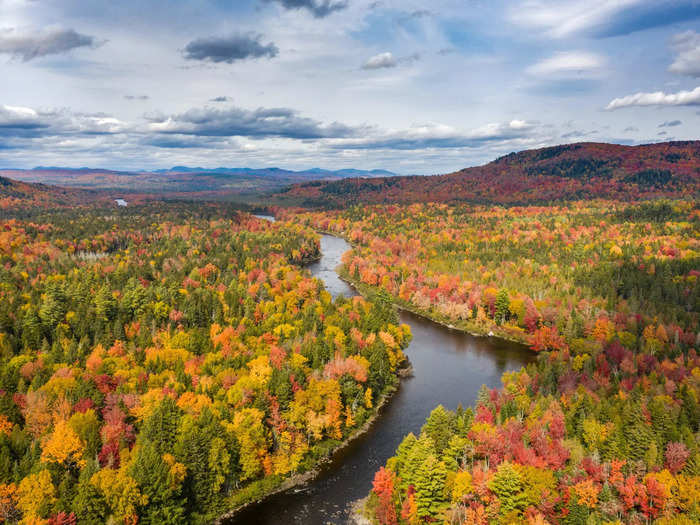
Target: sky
{"x":412,"y":87}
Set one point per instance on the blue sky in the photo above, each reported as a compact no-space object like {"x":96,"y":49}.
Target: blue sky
{"x":413,"y":87}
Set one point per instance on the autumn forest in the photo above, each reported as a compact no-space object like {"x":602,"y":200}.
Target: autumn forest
{"x":172,"y":361}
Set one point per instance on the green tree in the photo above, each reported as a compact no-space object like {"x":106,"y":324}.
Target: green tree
{"x":89,"y":505}
{"x":440,"y":426}
{"x":507,"y":485}
{"x":502,"y":306}
{"x":160,"y":428}
{"x":152,"y":473}
{"x":430,"y":488}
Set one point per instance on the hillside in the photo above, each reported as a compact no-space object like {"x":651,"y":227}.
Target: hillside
{"x":16,"y":194}
{"x":573,"y":171}
{"x":195,"y":182}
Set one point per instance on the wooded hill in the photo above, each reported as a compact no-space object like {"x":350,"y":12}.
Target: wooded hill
{"x":15,"y":194}
{"x":567,"y":172}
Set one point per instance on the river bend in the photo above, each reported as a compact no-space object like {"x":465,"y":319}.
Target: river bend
{"x":449,"y":366}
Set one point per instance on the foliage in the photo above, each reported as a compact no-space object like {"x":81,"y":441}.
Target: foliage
{"x":157,"y":361}
{"x":567,"y":172}
{"x":605,"y":426}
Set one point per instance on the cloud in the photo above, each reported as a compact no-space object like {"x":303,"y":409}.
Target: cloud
{"x":687,"y":45}
{"x":136,"y":97}
{"x":219,"y":99}
{"x":380,"y":61}
{"x":318,"y":8}
{"x":238,"y":122}
{"x":28,"y":123}
{"x":578,"y":134}
{"x":28,"y":45}
{"x":20,"y":121}
{"x":670,"y":124}
{"x":432,"y":135}
{"x":602,"y":18}
{"x":183,"y":142}
{"x":566,"y":63}
{"x":388,"y":61}
{"x":229,"y":49}
{"x":419,"y":13}
{"x":631,"y":129}
{"x":658,"y":98}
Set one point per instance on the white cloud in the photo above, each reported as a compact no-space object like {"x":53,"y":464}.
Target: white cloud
{"x":382,"y":60}
{"x":433,"y":135}
{"x":567,"y":63}
{"x":561,"y":19}
{"x":687,"y":45}
{"x":16,"y":115}
{"x":658,"y":98}
{"x":23,"y":122}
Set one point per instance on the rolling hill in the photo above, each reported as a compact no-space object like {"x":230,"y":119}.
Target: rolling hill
{"x":17,"y":194}
{"x":566,"y":172}
{"x":182,"y":180}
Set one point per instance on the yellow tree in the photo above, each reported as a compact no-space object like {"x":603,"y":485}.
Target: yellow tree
{"x":252,"y":436}
{"x":64,"y":447}
{"x":121,"y":492}
{"x":36,"y":495}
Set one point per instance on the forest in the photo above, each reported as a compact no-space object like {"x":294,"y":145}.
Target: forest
{"x":603,"y":428}
{"x":172,"y":361}
{"x":585,"y":170}
{"x":168,"y":363}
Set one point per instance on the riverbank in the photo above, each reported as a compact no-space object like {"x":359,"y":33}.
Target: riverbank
{"x":260,"y":490}
{"x":452,"y":324}
{"x":301,"y":478}
{"x":447,"y":370}
{"x":458,"y":325}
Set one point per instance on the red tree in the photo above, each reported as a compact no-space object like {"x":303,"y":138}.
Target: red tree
{"x":383,"y":487}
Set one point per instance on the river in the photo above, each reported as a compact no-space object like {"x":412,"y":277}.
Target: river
{"x":449,"y":366}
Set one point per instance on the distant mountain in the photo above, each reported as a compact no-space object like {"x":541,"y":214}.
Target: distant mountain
{"x":184,"y":180}
{"x":567,"y":172}
{"x":312,"y":173}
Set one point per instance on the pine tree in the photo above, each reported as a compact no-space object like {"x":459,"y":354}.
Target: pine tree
{"x":430,"y":488}
{"x":165,"y":503}
{"x":89,"y":505}
{"x":160,"y":428}
{"x":502,"y":306}
{"x":416,"y":456}
{"x":507,"y":485}
{"x":440,"y":427}
{"x":53,"y":307}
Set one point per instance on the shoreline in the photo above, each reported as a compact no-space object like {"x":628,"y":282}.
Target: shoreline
{"x":406,"y":371}
{"x":305,"y":477}
{"x":428,"y":317}
{"x":408,"y":307}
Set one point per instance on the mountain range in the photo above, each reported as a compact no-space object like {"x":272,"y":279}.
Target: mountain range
{"x":183,"y":179}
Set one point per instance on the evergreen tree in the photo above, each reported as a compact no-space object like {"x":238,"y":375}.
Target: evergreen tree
{"x":502,"y":306}
{"x":440,"y":426}
{"x":160,"y":428}
{"x":89,"y":505}
{"x":430,"y":488}
{"x":165,"y":503}
{"x":507,"y":485}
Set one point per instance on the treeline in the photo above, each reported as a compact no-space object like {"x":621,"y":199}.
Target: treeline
{"x":163,"y":364}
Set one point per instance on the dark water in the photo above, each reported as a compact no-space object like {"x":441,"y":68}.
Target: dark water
{"x":449,"y":367}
